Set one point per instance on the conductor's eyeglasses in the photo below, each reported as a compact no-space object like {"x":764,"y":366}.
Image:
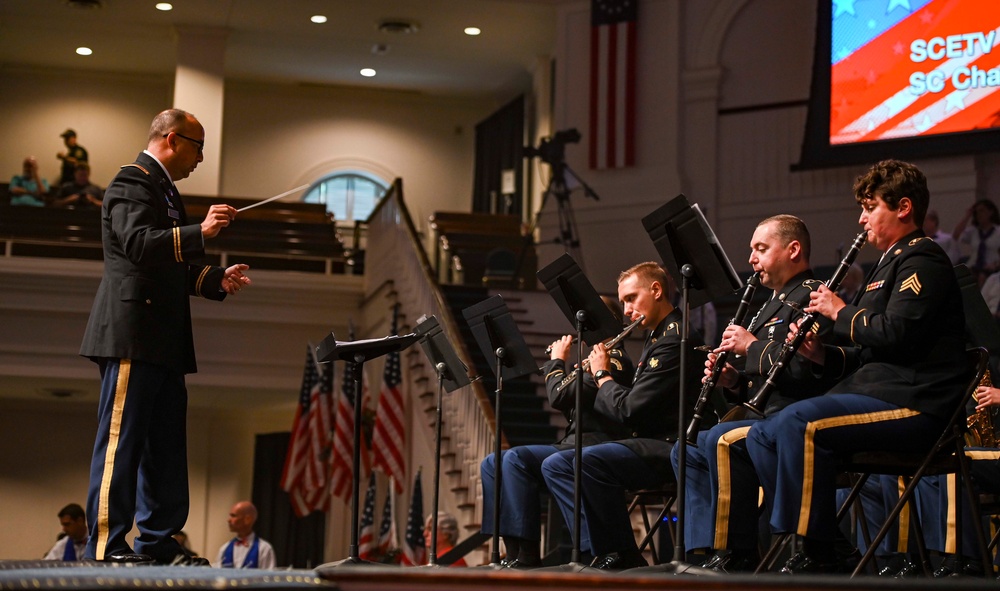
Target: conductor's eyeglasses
{"x":199,"y":143}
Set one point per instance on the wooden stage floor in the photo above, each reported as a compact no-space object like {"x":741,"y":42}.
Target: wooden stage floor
{"x":34,"y":575}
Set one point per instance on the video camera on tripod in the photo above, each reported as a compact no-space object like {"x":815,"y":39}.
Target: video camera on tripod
{"x":552,"y":150}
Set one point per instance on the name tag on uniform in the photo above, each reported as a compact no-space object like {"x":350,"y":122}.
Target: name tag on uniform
{"x":173,"y":213}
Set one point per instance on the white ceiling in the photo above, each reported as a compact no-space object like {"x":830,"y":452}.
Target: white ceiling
{"x":274,"y":40}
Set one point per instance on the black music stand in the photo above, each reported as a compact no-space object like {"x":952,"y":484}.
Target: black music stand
{"x":594,"y":323}
{"x":690,"y":250}
{"x":452,"y":374}
{"x":329,"y":350}
{"x":497,"y":336}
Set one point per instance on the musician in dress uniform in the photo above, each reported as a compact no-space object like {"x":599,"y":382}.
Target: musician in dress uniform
{"x":903,"y":373}
{"x":139,"y":334}
{"x":246,"y":549}
{"x":721,"y":484}
{"x":74,"y":525}
{"x":520,"y":508}
{"x":648,"y":407}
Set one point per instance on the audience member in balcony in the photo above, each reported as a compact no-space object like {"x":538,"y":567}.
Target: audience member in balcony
{"x":139,"y":334}
{"x":932,"y":227}
{"x":74,"y":528}
{"x":447,"y":535}
{"x":81,"y":193}
{"x":980,"y":229}
{"x":28,"y":188}
{"x":74,"y":154}
{"x":522,"y":481}
{"x":247,"y":549}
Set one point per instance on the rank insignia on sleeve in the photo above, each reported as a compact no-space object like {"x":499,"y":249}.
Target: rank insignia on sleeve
{"x":912,"y":283}
{"x":654,"y":363}
{"x":875,"y":285}
{"x":616,"y":363}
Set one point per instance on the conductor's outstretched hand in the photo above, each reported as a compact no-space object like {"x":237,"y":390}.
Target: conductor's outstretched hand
{"x":234,"y":279}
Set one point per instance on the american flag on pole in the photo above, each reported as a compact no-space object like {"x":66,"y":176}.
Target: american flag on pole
{"x":612,"y":83}
{"x":414,"y":548}
{"x":299,"y":477}
{"x":389,"y":439}
{"x":366,"y":537}
{"x":342,"y":458}
{"x":316,"y":473}
{"x":387,"y":537}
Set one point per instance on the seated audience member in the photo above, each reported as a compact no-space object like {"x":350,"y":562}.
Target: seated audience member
{"x":81,"y":192}
{"x":932,"y":227}
{"x":74,"y":525}
{"x":28,"y":188}
{"x":247,"y":549}
{"x":980,"y":230}
{"x":447,"y":535}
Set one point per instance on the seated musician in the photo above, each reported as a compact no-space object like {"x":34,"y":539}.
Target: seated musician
{"x":648,"y":407}
{"x":903,"y":372}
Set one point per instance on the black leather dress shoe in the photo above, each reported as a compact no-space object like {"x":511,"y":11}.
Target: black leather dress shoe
{"x":616,"y":561}
{"x":519,"y":564}
{"x":810,"y":565}
{"x":189,"y":560}
{"x":738,"y":562}
{"x":128,"y":558}
{"x":964,"y":568}
{"x":713,"y":561}
{"x":909,"y":570}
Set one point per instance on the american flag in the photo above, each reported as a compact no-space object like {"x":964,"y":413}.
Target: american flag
{"x":342,"y":459}
{"x":387,"y":538}
{"x":885,"y":85}
{"x":366,"y":536}
{"x":316,"y":474}
{"x":612,"y":83}
{"x":388,"y":440}
{"x":300,"y":444}
{"x":414,"y":549}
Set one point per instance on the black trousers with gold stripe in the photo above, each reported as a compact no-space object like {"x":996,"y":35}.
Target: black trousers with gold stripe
{"x":796,"y":451}
{"x":139,"y":467}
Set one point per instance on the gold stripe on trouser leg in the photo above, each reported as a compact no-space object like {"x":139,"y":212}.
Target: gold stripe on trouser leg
{"x":725,"y":491}
{"x":903,"y":531}
{"x":809,"y":450}
{"x":951,"y":527}
{"x":986,"y":454}
{"x":114,"y":432}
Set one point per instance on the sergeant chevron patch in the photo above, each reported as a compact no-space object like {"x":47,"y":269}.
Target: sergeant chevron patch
{"x":911,"y":283}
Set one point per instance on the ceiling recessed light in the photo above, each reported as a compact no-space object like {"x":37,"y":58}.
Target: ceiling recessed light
{"x":164,"y":6}
{"x":84,"y":51}
{"x":367,"y":72}
{"x":319,"y":19}
{"x":472,"y":31}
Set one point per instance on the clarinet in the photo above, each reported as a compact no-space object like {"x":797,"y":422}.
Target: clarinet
{"x":720,"y":363}
{"x":788,"y":348}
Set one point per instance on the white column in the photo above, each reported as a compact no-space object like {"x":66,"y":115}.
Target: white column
{"x":199,"y":86}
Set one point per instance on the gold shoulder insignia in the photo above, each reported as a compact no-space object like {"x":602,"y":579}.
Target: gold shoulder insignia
{"x":134,"y":165}
{"x":916,"y":240}
{"x":616,"y":363}
{"x":912,"y":283}
{"x":811,"y":284}
{"x":654,"y":363}
{"x":897,"y":251}
{"x":672,"y":326}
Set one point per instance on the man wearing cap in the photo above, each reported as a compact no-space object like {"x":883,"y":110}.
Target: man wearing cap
{"x":74,"y":154}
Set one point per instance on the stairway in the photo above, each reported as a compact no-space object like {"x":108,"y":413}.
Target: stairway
{"x":526,"y":416}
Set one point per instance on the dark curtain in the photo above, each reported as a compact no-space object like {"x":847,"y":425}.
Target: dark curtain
{"x":297,"y":542}
{"x":499,"y":146}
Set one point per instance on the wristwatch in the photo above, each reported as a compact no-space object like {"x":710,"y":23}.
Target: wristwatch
{"x":601,"y":374}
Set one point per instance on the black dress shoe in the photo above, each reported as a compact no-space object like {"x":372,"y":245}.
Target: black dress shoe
{"x":128,"y":558}
{"x":810,"y":565}
{"x":713,"y":561}
{"x":738,"y":562}
{"x":909,"y":570}
{"x":616,"y":561}
{"x":189,"y":560}
{"x":519,"y":564}
{"x":962,"y":568}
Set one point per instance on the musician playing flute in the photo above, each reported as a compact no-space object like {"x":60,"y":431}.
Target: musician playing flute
{"x":721,"y":484}
{"x":522,"y":483}
{"x":648,"y":407}
{"x":902,"y":371}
